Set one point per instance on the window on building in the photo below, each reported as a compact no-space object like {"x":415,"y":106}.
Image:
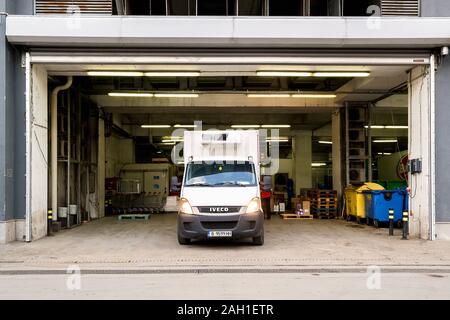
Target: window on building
{"x":355,"y":8}
{"x":286,"y":8}
{"x":212,"y":7}
{"x":321,"y":8}
{"x":251,"y":8}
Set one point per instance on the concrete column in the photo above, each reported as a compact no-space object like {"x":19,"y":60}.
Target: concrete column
{"x":302,"y":152}
{"x":101,"y":168}
{"x":420,"y":148}
{"x":337,"y":155}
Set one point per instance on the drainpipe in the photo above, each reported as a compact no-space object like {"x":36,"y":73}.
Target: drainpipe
{"x":54,"y":143}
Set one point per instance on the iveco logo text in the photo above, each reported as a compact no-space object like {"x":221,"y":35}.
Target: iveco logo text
{"x":219,"y":209}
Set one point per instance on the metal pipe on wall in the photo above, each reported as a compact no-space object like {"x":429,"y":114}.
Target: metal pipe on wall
{"x":54,"y":143}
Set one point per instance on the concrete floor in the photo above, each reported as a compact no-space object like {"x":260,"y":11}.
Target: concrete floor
{"x":109,"y":243}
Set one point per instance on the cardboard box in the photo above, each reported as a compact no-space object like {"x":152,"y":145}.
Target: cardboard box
{"x":306,"y":205}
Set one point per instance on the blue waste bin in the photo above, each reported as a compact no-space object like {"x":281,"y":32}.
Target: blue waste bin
{"x":378,"y":203}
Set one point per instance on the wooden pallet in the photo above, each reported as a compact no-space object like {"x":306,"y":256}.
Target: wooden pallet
{"x":293,"y":216}
{"x":134,"y":217}
{"x":325,"y":206}
{"x":324,"y":199}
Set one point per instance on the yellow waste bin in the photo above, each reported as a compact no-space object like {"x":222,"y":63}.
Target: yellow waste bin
{"x":354,"y":199}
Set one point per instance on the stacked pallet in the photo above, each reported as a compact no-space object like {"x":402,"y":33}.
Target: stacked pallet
{"x":324,"y":203}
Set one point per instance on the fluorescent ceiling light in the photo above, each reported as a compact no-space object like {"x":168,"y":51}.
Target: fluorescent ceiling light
{"x":167,"y":143}
{"x":283,"y":74}
{"x":172,"y":74}
{"x":277,"y":139}
{"x":276,"y":126}
{"x":115,"y":74}
{"x":314,"y":95}
{"x":155,"y":126}
{"x":386,"y":141}
{"x":325,"y":142}
{"x":171,"y":141}
{"x":268,"y":95}
{"x":245,"y":126}
{"x":396,"y":127}
{"x":318,"y":164}
{"x":341,"y":74}
{"x":185,"y":126}
{"x":386,"y":127}
{"x":131,"y":94}
{"x":176,"y":95}
{"x":384,"y":153}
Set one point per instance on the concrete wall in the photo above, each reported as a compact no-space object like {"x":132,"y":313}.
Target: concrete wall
{"x":118,"y":152}
{"x":435,"y":8}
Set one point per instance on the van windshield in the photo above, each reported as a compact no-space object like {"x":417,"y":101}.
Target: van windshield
{"x":209,"y":174}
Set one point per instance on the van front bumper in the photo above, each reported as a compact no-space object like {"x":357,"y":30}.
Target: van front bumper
{"x":248,"y":225}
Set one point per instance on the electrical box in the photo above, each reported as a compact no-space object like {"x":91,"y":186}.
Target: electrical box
{"x":415,"y":166}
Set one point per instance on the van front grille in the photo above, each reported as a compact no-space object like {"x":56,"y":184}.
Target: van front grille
{"x":219,"y":225}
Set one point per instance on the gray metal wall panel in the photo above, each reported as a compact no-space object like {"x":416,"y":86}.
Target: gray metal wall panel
{"x":435,"y":8}
{"x":3,"y":209}
{"x":19,"y":136}
{"x":442,"y":142}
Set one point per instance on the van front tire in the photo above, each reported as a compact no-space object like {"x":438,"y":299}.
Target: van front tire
{"x":259,"y":241}
{"x":182,"y":240}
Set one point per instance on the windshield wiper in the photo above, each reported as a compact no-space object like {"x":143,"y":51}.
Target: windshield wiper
{"x":231,"y":183}
{"x":199,"y":185}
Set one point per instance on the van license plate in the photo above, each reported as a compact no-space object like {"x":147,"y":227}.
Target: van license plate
{"x":220,"y":234}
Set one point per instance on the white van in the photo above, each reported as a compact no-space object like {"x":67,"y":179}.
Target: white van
{"x":220,"y":194}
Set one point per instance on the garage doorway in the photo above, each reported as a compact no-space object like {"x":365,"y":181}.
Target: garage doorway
{"x":125,"y":120}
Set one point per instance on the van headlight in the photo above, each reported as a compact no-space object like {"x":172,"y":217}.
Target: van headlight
{"x":254,"y":206}
{"x":185,"y":206}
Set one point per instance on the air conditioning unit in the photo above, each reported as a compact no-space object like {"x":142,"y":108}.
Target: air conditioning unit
{"x":74,"y":7}
{"x":400,"y":8}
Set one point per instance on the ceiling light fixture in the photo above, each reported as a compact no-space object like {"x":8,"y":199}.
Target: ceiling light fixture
{"x":245,"y":126}
{"x":396,"y":127}
{"x":115,"y":74}
{"x":341,"y":74}
{"x":268,"y":95}
{"x":386,"y":127}
{"x":172,"y":74}
{"x":155,"y":126}
{"x":176,"y":95}
{"x":131,"y":94}
{"x":386,"y":141}
{"x":314,"y":95}
{"x":185,"y":126}
{"x":318,"y":164}
{"x":276,"y":126}
{"x":284,"y":74}
{"x":167,"y":143}
{"x":277,"y":140}
{"x":325,"y":142}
